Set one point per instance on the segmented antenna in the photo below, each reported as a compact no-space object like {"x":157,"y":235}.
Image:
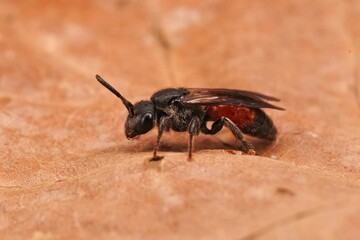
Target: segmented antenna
{"x":127,"y":104}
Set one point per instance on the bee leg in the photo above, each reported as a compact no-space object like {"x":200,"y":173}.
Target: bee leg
{"x":215,"y":127}
{"x":218,"y":125}
{"x":237,"y":133}
{"x":156,"y":148}
{"x":162,"y":126}
{"x":194,"y":129}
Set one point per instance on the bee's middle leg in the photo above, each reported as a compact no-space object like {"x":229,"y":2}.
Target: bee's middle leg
{"x":194,"y":129}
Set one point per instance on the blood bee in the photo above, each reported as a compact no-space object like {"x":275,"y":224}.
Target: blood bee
{"x":189,"y":109}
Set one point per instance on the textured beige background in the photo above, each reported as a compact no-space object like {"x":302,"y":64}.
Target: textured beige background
{"x":68,"y":172}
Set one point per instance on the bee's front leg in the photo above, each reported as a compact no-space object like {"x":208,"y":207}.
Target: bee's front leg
{"x":161,"y":127}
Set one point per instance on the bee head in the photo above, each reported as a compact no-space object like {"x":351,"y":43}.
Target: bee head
{"x":141,"y":118}
{"x":141,"y":121}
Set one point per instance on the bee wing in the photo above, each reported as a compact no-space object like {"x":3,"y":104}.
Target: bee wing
{"x":219,"y":96}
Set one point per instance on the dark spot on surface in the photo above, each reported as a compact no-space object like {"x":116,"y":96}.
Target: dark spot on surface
{"x":4,"y":101}
{"x":10,"y":19}
{"x":122,"y":3}
{"x":153,"y":164}
{"x":285,"y":191}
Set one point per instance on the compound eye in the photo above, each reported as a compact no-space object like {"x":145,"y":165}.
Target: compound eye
{"x":146,"y":123}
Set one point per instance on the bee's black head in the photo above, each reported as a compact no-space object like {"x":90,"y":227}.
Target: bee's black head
{"x":141,"y":118}
{"x":141,"y":121}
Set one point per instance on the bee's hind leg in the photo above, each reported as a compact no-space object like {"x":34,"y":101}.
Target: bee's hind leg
{"x":218,"y":125}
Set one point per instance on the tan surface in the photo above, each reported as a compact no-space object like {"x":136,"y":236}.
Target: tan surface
{"x":67,"y":171}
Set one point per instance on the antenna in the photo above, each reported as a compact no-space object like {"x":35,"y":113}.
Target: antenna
{"x":127,"y":104}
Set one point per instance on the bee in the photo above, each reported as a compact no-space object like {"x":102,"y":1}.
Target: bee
{"x":189,"y":109}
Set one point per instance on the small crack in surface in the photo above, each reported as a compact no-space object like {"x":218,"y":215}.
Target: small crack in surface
{"x":162,"y":40}
{"x":289,"y":219}
{"x":357,"y":83}
{"x":348,"y":17}
{"x":165,"y":48}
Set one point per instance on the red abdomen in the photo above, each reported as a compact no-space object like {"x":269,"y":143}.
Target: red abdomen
{"x":251,"y":121}
{"x":241,"y":116}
